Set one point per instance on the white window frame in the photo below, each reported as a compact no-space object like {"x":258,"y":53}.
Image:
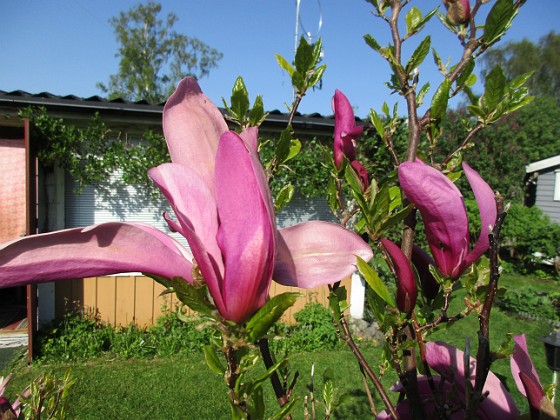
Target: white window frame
{"x":557,"y":185}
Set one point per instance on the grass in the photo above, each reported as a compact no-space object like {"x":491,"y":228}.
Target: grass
{"x":184,"y":387}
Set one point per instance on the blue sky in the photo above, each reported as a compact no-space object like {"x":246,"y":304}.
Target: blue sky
{"x":67,"y":46}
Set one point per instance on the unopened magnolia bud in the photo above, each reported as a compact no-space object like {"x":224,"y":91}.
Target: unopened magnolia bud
{"x":458,"y":11}
{"x":407,"y":292}
{"x":422,"y":261}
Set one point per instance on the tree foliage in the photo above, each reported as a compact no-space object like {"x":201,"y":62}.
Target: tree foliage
{"x":519,"y":57}
{"x":502,"y":150}
{"x":154,"y":57}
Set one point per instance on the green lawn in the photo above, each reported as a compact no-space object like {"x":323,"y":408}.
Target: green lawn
{"x":185,"y":388}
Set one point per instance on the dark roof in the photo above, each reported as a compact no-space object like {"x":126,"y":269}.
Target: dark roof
{"x":70,"y":103}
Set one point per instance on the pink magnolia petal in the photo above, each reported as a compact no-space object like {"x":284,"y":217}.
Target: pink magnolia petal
{"x":486,"y":201}
{"x":443,"y":210}
{"x":195,"y":207}
{"x":193,"y":203}
{"x":521,"y":362}
{"x":316,"y":253}
{"x":246,"y":234}
{"x":534,"y":392}
{"x":108,"y":248}
{"x":407,"y":292}
{"x":192,"y":125}
{"x":448,"y":362}
{"x":251,"y":138}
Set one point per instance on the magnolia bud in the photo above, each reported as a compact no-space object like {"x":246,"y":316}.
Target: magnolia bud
{"x":422,"y":261}
{"x":407,"y":292}
{"x":458,"y":11}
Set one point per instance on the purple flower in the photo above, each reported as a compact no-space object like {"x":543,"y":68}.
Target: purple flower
{"x":407,"y":291}
{"x":458,"y":11}
{"x":528,"y":382}
{"x":345,"y":134}
{"x":219,"y":193}
{"x":345,"y":130}
{"x":448,"y":362}
{"x":445,"y":217}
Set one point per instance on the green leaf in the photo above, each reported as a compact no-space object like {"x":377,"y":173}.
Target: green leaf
{"x":438,"y":106}
{"x":256,"y":410}
{"x":439,"y":63}
{"x":328,"y":395}
{"x":304,"y":57}
{"x":377,"y":123}
{"x":413,"y":19}
{"x":283,"y":63}
{"x":283,"y":197}
{"x":494,"y":88}
{"x":426,"y":19}
{"x":381,"y":204}
{"x":332,"y":193}
{"x":385,"y":109}
{"x":285,"y":410}
{"x":422,"y":93}
{"x":396,"y":218}
{"x":295,"y":148}
{"x":372,"y":43}
{"x":298,"y":81}
{"x":477,"y":112}
{"x":375,"y":282}
{"x":213,"y":360}
{"x":317,"y":50}
{"x":338,"y":302}
{"x":519,"y":81}
{"x":419,"y":54}
{"x":257,"y":114}
{"x":498,"y":20}
{"x":284,"y":144}
{"x":317,"y":75}
{"x":240,"y":99}
{"x":195,"y":298}
{"x":356,"y":186}
{"x":465,"y":74}
{"x":271,"y":312}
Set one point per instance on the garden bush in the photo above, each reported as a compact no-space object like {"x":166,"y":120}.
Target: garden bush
{"x":531,"y":302}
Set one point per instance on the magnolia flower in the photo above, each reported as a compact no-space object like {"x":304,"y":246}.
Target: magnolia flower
{"x":528,"y":382}
{"x":7,"y":409}
{"x":407,"y":291}
{"x":220,"y":196}
{"x":458,"y":11}
{"x":445,"y":216}
{"x":449,"y":363}
{"x":345,"y":130}
{"x":345,"y":134}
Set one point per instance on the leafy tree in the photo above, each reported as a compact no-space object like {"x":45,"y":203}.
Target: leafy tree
{"x":519,"y":57}
{"x":501,"y":151}
{"x":153,"y":57}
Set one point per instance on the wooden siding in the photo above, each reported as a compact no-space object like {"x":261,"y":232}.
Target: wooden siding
{"x":545,"y":195}
{"x":121,"y":300}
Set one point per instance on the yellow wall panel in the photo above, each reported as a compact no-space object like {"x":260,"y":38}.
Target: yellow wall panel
{"x":106,"y":299}
{"x":126,"y":299}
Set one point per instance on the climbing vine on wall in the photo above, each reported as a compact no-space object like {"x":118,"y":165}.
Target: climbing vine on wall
{"x":92,"y":153}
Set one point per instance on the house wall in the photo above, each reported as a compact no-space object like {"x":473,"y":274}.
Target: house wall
{"x":133,"y":298}
{"x":547,"y":182}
